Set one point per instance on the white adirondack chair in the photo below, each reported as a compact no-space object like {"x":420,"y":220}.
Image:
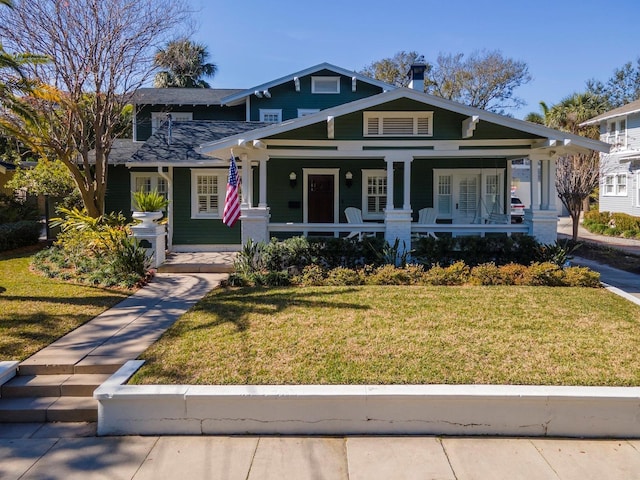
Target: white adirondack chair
{"x":427,"y":216}
{"x":354,"y":215}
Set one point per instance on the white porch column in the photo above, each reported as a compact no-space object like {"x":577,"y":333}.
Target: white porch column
{"x":407,"y":184}
{"x":535,"y":199}
{"x":152,"y":238}
{"x":389,"y":183}
{"x":246,"y":181}
{"x":541,"y":220}
{"x":263,"y":183}
{"x":544,"y":185}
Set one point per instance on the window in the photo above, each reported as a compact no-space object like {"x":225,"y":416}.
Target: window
{"x":270,"y":115}
{"x":307,"y":111}
{"x":325,"y":84}
{"x":158,"y":118}
{"x":615,"y":185}
{"x":374,"y":194}
{"x":492,"y":193}
{"x":147,"y":182}
{"x":208,"y":188}
{"x":398,"y":124}
{"x":617,"y":133}
{"x":444,"y":195}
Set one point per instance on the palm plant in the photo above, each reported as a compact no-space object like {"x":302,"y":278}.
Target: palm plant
{"x":184,"y":63}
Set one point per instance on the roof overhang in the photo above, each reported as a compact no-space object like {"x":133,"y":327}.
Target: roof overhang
{"x":553,"y":139}
{"x":239,"y":97}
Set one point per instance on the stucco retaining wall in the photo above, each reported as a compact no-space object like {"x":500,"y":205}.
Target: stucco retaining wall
{"x":612,"y":412}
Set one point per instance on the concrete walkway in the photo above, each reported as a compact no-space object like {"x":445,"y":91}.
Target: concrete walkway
{"x":51,"y":451}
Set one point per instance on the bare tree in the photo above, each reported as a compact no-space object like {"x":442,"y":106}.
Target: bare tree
{"x":485,"y":79}
{"x":577,"y":175}
{"x":100,"y":52}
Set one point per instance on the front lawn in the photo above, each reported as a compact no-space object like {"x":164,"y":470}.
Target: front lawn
{"x":401,"y":335}
{"x":35,"y":311}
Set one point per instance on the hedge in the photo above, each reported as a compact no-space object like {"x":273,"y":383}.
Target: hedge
{"x":19,"y":234}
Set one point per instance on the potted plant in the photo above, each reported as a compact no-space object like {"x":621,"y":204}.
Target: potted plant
{"x":148,"y":206}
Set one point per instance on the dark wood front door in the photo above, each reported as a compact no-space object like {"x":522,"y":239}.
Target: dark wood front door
{"x":321,"y":198}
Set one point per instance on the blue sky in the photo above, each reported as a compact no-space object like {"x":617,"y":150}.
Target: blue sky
{"x":564,"y":42}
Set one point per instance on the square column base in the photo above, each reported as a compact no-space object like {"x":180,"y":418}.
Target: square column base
{"x":255,"y":224}
{"x":155,"y":236}
{"x":543,"y":225}
{"x":398,"y":226}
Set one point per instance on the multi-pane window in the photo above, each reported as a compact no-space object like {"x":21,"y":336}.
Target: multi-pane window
{"x":148,"y":182}
{"x":208,"y":189}
{"x":492,"y":193}
{"x":374,"y":201}
{"x":270,"y":115}
{"x":207,"y":194}
{"x":615,"y":185}
{"x":159,"y":118}
{"x":444,"y":194}
{"x":617,"y":133}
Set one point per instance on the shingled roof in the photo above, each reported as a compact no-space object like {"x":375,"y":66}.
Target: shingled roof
{"x":182,"y":96}
{"x":186,"y":137}
{"x":632,"y":107}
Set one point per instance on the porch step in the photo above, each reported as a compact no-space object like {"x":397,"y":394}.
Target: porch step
{"x":195,"y":268}
{"x":78,"y":385}
{"x":48,"y":409}
{"x":37,"y":368}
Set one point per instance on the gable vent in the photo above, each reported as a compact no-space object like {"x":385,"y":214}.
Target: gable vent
{"x":398,"y":124}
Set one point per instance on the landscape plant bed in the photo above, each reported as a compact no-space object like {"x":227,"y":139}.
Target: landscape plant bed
{"x":401,"y":335}
{"x":35,"y":311}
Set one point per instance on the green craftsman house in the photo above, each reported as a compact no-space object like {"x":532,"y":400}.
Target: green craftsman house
{"x":326,"y":151}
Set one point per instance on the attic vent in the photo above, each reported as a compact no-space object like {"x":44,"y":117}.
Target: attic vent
{"x":398,"y":124}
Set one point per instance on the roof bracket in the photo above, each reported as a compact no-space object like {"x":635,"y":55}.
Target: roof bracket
{"x":331,"y":128}
{"x":296,"y":81}
{"x":469,"y":125}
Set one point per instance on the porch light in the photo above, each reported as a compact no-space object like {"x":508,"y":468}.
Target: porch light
{"x":293,"y":179}
{"x":348,"y":179}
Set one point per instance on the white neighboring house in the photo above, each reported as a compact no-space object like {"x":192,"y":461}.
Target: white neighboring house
{"x":620,"y":169}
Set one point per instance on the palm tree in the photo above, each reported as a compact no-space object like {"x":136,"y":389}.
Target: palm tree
{"x":536,"y":117}
{"x":184,"y":63}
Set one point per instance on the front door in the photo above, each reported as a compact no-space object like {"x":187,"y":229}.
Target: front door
{"x":466,"y":198}
{"x":321,"y":198}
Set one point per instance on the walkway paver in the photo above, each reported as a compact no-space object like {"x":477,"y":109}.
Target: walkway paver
{"x":400,"y":458}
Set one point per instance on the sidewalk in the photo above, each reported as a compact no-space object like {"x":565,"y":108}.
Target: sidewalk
{"x":565,"y":230}
{"x":44,"y":454}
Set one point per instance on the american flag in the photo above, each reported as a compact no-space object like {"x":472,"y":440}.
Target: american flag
{"x":232,"y":202}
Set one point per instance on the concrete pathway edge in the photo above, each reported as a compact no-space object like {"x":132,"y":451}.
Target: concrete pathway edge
{"x":504,"y":410}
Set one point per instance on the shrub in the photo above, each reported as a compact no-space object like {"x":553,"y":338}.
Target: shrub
{"x":388,"y":275}
{"x":488,"y":274}
{"x":581,"y":277}
{"x":343,"y":276}
{"x":312,"y":275}
{"x":455,"y":274}
{"x":559,"y":253}
{"x":13,"y":211}
{"x":544,"y":274}
{"x":514,"y":273}
{"x":149,"y":201}
{"x":19,"y":234}
{"x":623,"y":222}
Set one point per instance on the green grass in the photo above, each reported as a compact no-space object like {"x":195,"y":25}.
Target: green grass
{"x":35,"y":311}
{"x":401,"y":335}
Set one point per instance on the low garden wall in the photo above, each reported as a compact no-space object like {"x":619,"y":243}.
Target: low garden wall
{"x":612,"y":412}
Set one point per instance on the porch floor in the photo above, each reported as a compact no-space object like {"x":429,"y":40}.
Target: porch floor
{"x":198,"y":262}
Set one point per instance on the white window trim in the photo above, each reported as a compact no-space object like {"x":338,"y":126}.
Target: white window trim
{"x":307,"y":111}
{"x":315,"y":79}
{"x":366,"y":215}
{"x":381,"y":115}
{"x":157,"y":118}
{"x":154,"y":176}
{"x":615,"y":185}
{"x":271,"y":111}
{"x":222,"y":190}
{"x":336,"y":190}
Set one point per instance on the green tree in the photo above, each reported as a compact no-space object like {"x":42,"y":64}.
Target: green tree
{"x":99,"y":53}
{"x":184,"y":63}
{"x":394,"y":70}
{"x":621,"y":88}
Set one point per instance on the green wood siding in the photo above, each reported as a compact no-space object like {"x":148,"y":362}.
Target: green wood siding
{"x":447,"y":125}
{"x":188,"y":231}
{"x":118,"y":197}
{"x":200,"y":112}
{"x":285,"y":97}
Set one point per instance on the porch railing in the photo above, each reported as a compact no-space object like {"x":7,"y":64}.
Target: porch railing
{"x":344,"y":229}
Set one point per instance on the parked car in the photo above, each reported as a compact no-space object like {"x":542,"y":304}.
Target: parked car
{"x":517,"y":210}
